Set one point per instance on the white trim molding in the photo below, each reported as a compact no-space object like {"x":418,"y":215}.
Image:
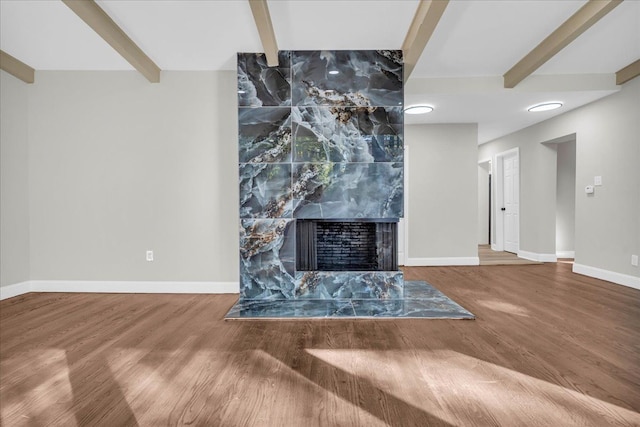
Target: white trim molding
{"x":432,"y":262}
{"x":609,"y":276}
{"x":14,"y":290}
{"x":533,"y":256}
{"x":123,"y":287}
{"x":566,"y":254}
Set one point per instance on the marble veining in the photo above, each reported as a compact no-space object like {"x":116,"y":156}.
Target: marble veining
{"x":264,"y":135}
{"x":260,"y":85}
{"x":347,"y":190}
{"x":267,"y":259}
{"x":352,"y":284}
{"x":348,"y":78}
{"x":265,"y":190}
{"x":347,"y":134}
{"x":432,"y":305}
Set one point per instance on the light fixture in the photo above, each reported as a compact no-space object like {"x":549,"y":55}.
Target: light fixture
{"x":334,"y":72}
{"x":546,"y":106}
{"x":418,"y":109}
{"x":240,"y":91}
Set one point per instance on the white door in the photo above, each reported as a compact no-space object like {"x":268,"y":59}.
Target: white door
{"x":511,"y":200}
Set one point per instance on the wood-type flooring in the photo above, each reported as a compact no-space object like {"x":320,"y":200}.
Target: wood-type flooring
{"x":548,"y":348}
{"x":488,"y":256}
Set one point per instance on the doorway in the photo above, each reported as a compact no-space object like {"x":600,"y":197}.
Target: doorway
{"x":484,"y":202}
{"x":565,"y":196}
{"x":506,"y":208}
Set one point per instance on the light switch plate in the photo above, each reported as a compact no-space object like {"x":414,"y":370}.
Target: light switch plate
{"x":597,"y":180}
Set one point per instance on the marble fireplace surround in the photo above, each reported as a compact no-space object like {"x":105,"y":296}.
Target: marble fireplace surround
{"x":320,"y":138}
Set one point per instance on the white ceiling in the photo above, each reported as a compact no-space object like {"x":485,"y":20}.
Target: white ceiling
{"x":459,"y":73}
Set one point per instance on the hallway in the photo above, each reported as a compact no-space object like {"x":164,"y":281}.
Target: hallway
{"x":490,"y":257}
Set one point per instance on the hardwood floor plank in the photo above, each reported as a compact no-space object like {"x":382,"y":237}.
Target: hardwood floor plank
{"x":548,"y":347}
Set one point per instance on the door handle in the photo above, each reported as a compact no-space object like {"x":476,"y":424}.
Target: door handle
{"x":503,"y":209}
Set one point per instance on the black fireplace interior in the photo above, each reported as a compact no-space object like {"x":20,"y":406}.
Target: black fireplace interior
{"x":342,"y":245}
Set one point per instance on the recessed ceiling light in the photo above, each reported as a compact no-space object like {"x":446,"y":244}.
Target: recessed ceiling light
{"x":334,"y":72}
{"x":545,"y":107}
{"x":418,"y":109}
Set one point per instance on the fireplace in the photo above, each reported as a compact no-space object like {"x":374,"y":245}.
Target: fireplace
{"x":346,"y":245}
{"x":321,"y":174}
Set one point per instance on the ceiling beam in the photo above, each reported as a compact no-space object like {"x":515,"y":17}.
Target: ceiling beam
{"x":627,"y":73}
{"x":105,"y":27}
{"x":261,"y":15}
{"x":424,"y":23}
{"x":567,"y":32}
{"x":16,"y":68}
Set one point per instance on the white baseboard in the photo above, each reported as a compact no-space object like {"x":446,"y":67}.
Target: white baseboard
{"x":609,"y":276}
{"x":14,"y":290}
{"x":125,"y":287}
{"x":533,"y":256}
{"x":430,"y":262}
{"x":494,"y":247}
{"x":566,"y":254}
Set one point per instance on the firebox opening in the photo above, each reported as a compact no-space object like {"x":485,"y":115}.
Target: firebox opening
{"x":341,"y":245}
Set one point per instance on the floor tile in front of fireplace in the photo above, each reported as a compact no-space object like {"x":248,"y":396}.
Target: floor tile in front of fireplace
{"x":410,"y":308}
{"x":421,"y":301}
{"x":291,"y":308}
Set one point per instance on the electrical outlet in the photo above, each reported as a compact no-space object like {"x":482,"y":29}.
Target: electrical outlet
{"x":149,"y":255}
{"x":634,"y":260}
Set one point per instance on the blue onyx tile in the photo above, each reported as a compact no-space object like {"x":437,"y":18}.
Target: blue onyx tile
{"x":414,"y":289}
{"x":434,"y":305}
{"x":260,"y":85}
{"x":347,"y":190}
{"x":424,"y":292}
{"x":362,"y":78}
{"x":265,"y":190}
{"x":291,"y":309}
{"x":410,"y":308}
{"x":267,"y":258}
{"x":383,"y":130}
{"x":349,"y":284}
{"x":264,"y":135}
{"x":347,"y":134}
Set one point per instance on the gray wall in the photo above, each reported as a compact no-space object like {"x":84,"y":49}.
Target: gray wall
{"x":443,"y":190}
{"x":119,"y":166}
{"x":566,"y":197}
{"x":116,"y":166}
{"x":607,"y":228}
{"x":14,"y":182}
